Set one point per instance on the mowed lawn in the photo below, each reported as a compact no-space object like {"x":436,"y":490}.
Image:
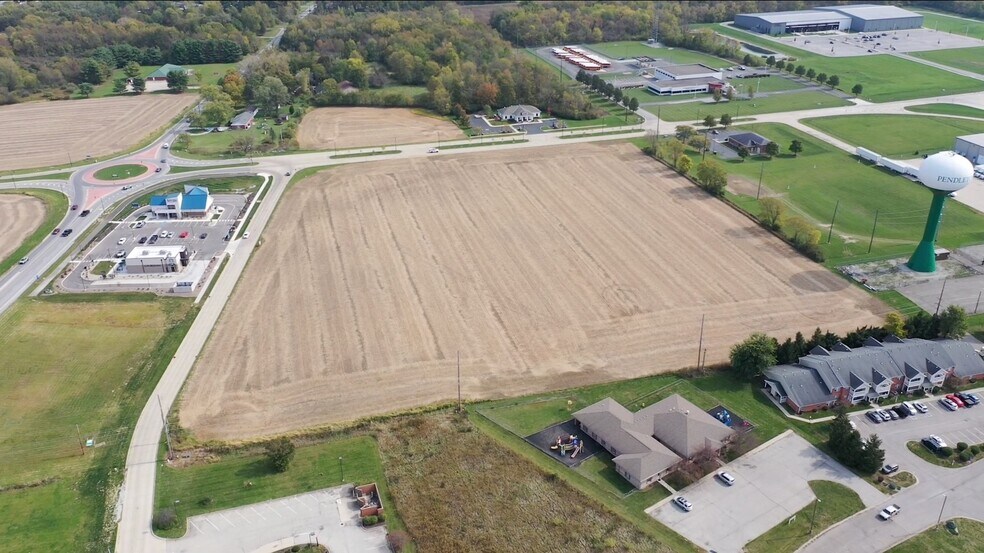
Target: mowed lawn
{"x":71,"y":364}
{"x":760,"y":86}
{"x":807,"y":99}
{"x":968,"y":59}
{"x":897,"y":136}
{"x":885,"y":78}
{"x":837,"y":502}
{"x":812,"y":183}
{"x":950,"y":24}
{"x":208,"y":73}
{"x":221,"y":484}
{"x":632,"y":49}
{"x":940,"y":540}
{"x":948,"y":109}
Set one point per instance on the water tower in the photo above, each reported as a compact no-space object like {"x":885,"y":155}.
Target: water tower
{"x":944,"y":173}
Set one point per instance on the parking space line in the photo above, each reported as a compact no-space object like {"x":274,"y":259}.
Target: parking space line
{"x":288,"y":506}
{"x":227,"y":519}
{"x":274,"y":511}
{"x":196,"y":526}
{"x":239,"y":512}
{"x":212,"y":523}
{"x":257,"y":513}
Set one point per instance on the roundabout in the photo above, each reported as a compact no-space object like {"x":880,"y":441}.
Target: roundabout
{"x":120,"y":172}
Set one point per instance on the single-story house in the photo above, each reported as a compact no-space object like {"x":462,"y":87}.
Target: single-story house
{"x":194,"y":202}
{"x":521,"y":113}
{"x":648,"y":444}
{"x":160,"y":74}
{"x":244,"y":120}
{"x":848,"y":376}
{"x":754,"y":143}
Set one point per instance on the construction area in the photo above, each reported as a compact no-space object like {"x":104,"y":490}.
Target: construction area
{"x":372,"y":279}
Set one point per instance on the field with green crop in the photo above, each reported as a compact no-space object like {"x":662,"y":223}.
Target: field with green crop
{"x":905,"y":136}
{"x":694,"y":111}
{"x":968,"y":59}
{"x":881,"y":75}
{"x":948,"y":109}
{"x":76,"y":368}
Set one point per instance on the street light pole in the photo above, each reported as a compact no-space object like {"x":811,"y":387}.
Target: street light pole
{"x":341,"y":469}
{"x":814,"y":519}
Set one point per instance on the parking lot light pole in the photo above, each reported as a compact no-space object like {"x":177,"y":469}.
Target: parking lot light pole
{"x":813,"y":520}
{"x":940,"y":518}
{"x":341,"y":469}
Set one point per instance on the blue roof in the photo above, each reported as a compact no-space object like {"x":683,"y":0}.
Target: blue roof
{"x":162,"y":200}
{"x":194,"y":202}
{"x":191,"y":190}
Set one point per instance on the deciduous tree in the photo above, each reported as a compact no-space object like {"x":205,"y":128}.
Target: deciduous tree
{"x":895,"y":324}
{"x":710,"y":121}
{"x":770,"y":211}
{"x":712,"y":176}
{"x":857,"y":89}
{"x":796,"y":147}
{"x":726,"y":120}
{"x":772,"y":149}
{"x":177,"y":81}
{"x":280,"y":453}
{"x":755,"y":354}
{"x":833,"y":81}
{"x":953,"y":322}
{"x":85,"y":90}
{"x":684,"y":164}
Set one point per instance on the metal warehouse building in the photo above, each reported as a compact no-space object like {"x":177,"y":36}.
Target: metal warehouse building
{"x":971,"y":147}
{"x":859,"y":18}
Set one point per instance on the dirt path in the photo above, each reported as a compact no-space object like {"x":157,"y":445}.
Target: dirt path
{"x":340,"y":128}
{"x":20,"y":215}
{"x":567,"y":266}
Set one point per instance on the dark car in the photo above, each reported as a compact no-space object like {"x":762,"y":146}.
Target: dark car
{"x":56,"y":231}
{"x":968,"y":399}
{"x":930,"y":445}
{"x":66,"y":232}
{"x":203,"y":235}
{"x":873,"y":416}
{"x":902,"y":411}
{"x":153,"y":239}
{"x":75,"y":206}
{"x":85,"y":213}
{"x":158,"y":170}
{"x":143,"y":240}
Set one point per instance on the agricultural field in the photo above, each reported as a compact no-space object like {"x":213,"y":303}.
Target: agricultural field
{"x":20,"y":216}
{"x":40,"y":134}
{"x":355,"y":127}
{"x":807,"y":99}
{"x":77,"y":369}
{"x":823,"y":177}
{"x":55,"y":205}
{"x":968,"y":59}
{"x":948,"y":109}
{"x":456,"y":488}
{"x":910,"y":136}
{"x":539,"y":276}
{"x":878,"y":73}
{"x":631,"y":49}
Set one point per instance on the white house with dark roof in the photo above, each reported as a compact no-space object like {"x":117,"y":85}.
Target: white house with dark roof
{"x":848,"y":376}
{"x":521,"y":113}
{"x":648,"y":444}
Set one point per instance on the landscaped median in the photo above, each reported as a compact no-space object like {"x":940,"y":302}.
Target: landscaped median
{"x":939,"y":539}
{"x":834,"y":502}
{"x":950,"y":457}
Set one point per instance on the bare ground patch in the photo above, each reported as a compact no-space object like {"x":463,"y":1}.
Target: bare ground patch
{"x":338,"y":128}
{"x":550,"y":268}
{"x":20,"y":215}
{"x":40,"y":134}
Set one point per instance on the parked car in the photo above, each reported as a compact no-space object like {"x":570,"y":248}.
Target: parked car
{"x":184,"y":234}
{"x":121,"y":241}
{"x":889,"y":512}
{"x":143,"y":240}
{"x":890,"y":468}
{"x":683,"y":503}
{"x":120,"y":254}
{"x":854,"y":425}
{"x":22,"y":261}
{"x":85,"y":213}
{"x":874,"y":417}
{"x":969,"y":399}
{"x":921,"y":407}
{"x":203,"y":235}
{"x":153,"y":240}
{"x":900,"y":411}
{"x":909,"y":408}
{"x":956,"y":399}
{"x":884,"y":415}
{"x":949,"y":405}
{"x":140,"y":224}
{"x":893,"y":415}
{"x":726,"y":478}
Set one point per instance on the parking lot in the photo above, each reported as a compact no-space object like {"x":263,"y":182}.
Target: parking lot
{"x":841,"y":44}
{"x":962,"y":425}
{"x":771,"y":485}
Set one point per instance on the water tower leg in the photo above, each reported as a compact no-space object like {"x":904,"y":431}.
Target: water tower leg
{"x":923,"y":259}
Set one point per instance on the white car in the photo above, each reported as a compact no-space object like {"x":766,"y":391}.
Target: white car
{"x":165,"y":146}
{"x":683,"y":503}
{"x":22,"y":261}
{"x":121,"y":241}
{"x":937,"y":440}
{"x":889,"y":512}
{"x":921,"y":407}
{"x":948,"y":403}
{"x":246,"y":235}
{"x":433,"y":151}
{"x":726,"y":478}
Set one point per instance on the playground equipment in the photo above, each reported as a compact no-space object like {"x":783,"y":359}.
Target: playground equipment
{"x":724,"y":416}
{"x":572,"y":443}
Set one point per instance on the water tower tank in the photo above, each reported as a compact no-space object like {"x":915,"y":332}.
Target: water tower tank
{"x":944,"y":173}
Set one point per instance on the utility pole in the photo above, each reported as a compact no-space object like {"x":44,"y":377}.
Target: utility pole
{"x":940,"y":518}
{"x":872,"y":241}
{"x":81,"y":446}
{"x":940,"y":301}
{"x":700,"y":342}
{"x":814,"y":519}
{"x":167,"y":429}
{"x":832,"y":219}
{"x":978,"y":304}
{"x":761,"y":172}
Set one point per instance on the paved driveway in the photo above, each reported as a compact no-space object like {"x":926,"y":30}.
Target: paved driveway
{"x":771,"y":486}
{"x":329,"y":514}
{"x":922,"y":504}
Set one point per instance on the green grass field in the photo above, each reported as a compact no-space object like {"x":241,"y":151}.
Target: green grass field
{"x":74,"y":360}
{"x":908,"y":133}
{"x":769,"y":84}
{"x":968,"y":59}
{"x":201,"y":74}
{"x":948,"y":109}
{"x":952,"y":24}
{"x":216,"y":185}
{"x":837,"y":502}
{"x":190,"y":168}
{"x":811,"y":184}
{"x":940,"y":540}
{"x":808,"y":99}
{"x":879,"y":74}
{"x":215,"y":145}
{"x":631,"y":49}
{"x":55,"y":207}
{"x":220,"y":485}
{"x":120,"y":172}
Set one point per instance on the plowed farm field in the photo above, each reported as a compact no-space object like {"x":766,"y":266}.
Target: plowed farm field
{"x":20,"y":215}
{"x":341,"y":128}
{"x":41,"y":134}
{"x":547,"y":268}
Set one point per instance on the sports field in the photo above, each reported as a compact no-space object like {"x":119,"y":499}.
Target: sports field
{"x":41,"y":134}
{"x":908,"y":134}
{"x":563,"y":266}
{"x":881,"y":75}
{"x":343,"y":128}
{"x":968,"y":59}
{"x":20,"y":215}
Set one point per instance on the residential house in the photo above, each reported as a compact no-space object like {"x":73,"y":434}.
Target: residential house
{"x":160,"y":74}
{"x":754,"y":143}
{"x":244,"y":120}
{"x":521,"y":113}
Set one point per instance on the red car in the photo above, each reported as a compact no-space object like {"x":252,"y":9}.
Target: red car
{"x":75,"y":206}
{"x":956,"y":399}
{"x":56,"y":231}
{"x":183,"y":235}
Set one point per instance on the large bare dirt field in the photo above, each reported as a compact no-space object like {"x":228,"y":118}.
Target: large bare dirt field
{"x":546,"y":268}
{"x":20,"y":215}
{"x":339,"y":128}
{"x":40,"y":134}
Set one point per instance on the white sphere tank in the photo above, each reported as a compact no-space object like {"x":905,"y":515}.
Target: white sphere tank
{"x":946,"y":171}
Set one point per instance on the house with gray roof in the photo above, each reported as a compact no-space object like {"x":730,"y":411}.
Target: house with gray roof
{"x":848,"y":376}
{"x":648,"y":444}
{"x":521,"y":113}
{"x":753,"y":142}
{"x":244,"y":119}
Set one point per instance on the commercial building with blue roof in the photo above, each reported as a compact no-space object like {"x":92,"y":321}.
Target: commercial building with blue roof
{"x":194,"y":203}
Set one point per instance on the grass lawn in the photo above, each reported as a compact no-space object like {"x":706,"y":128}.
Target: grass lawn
{"x":837,"y":502}
{"x":120,"y":172}
{"x":58,"y":354}
{"x":216,"y":185}
{"x":968,"y":59}
{"x":632,"y":49}
{"x":940,"y":540}
{"x":774,"y":83}
{"x":407,"y":90}
{"x":201,"y":74}
{"x":952,"y":24}
{"x":812,"y":183}
{"x":909,"y":133}
{"x":878,"y":73}
{"x":221,"y":484}
{"x":103,"y":267}
{"x":951,"y":462}
{"x":187,"y":169}
{"x":215,"y":145}
{"x":55,"y":207}
{"x":807,"y":99}
{"x":366,"y":154}
{"x":948,"y":109}
{"x":615,"y":115}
